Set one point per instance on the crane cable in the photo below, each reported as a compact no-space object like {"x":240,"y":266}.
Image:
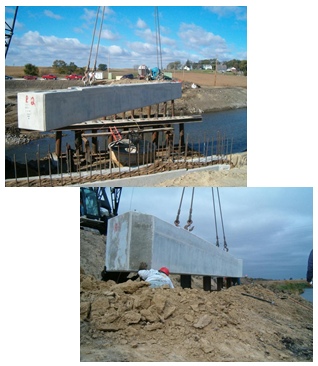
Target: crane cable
{"x":190,"y":222}
{"x":216,"y":226}
{"x":90,"y":76}
{"x":158,"y":39}
{"x":177,"y":222}
{"x":225,"y":244}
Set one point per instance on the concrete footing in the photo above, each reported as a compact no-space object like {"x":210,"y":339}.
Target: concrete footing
{"x":134,"y":237}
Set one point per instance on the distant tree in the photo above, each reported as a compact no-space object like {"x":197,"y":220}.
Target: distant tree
{"x":175,"y":65}
{"x":102,"y":67}
{"x":30,"y":69}
{"x":189,"y":64}
{"x":60,"y":66}
{"x":71,"y":68}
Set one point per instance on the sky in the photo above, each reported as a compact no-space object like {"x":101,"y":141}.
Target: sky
{"x":271,"y":229}
{"x":44,"y":34}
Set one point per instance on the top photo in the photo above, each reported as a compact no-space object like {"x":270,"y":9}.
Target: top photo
{"x":125,"y":96}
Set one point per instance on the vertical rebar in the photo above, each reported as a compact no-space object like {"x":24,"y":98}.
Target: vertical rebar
{"x":39,"y":172}
{"x":206,"y":152}
{"x":27,"y":168}
{"x":61,"y":170}
{"x":118,"y":159}
{"x":70,"y":163}
{"x":50,"y":166}
{"x":100,"y":161}
{"x":231,"y":151}
{"x":15,"y":170}
{"x":138,"y":156}
{"x":129,"y":157}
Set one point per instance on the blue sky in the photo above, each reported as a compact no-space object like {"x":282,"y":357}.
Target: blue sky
{"x":44,"y":34}
{"x":271,"y":229}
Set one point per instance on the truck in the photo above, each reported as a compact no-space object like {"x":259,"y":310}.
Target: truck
{"x":73,"y":77}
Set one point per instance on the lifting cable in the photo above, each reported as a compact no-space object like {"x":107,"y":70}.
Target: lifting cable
{"x":158,"y":40}
{"x":177,"y":222}
{"x":216,"y":226}
{"x":225,"y":244}
{"x":90,"y":76}
{"x":190,"y":222}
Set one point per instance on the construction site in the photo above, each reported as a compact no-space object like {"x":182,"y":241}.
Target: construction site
{"x":121,"y":129}
{"x":211,"y":313}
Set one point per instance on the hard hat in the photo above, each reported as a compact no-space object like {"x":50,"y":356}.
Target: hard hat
{"x":164,"y":270}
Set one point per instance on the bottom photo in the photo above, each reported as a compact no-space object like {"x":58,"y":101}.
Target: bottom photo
{"x":196,"y":274}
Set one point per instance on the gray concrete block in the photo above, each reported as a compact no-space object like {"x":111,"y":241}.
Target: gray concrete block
{"x":54,"y":109}
{"x":135,"y":237}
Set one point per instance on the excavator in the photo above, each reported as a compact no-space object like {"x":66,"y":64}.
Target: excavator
{"x":96,"y":209}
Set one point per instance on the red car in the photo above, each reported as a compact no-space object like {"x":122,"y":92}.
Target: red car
{"x":30,"y":77}
{"x":73,"y":77}
{"x":52,"y":77}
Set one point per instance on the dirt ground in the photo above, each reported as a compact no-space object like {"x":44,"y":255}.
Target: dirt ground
{"x":235,"y":177}
{"x":132,"y":322}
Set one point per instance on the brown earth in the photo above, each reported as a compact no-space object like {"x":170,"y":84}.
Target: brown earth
{"x":132,"y":322}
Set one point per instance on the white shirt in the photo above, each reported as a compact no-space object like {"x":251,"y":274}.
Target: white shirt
{"x":154,"y":275}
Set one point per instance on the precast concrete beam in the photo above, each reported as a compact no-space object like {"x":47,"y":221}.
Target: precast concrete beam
{"x":50,"y":110}
{"x":135,"y":237}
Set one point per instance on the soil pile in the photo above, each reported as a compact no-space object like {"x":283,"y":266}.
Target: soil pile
{"x":133,"y":322}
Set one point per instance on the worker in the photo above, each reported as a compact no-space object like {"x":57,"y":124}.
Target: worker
{"x":156,"y":278}
{"x":310,"y":268}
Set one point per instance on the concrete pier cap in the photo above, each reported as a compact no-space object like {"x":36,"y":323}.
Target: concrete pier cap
{"x":54,"y":109}
{"x":135,"y":237}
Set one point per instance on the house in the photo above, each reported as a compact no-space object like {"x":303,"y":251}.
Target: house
{"x":207,"y":67}
{"x":186,"y":68}
{"x":232,"y":69}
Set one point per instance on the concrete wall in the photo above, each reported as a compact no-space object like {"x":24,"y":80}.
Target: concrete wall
{"x":134,"y":237}
{"x":54,"y":109}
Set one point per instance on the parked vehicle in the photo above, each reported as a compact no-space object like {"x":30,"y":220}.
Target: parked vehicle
{"x":50,"y":77}
{"x":30,"y":77}
{"x":8,"y":77}
{"x":128,"y":76}
{"x":73,"y":77}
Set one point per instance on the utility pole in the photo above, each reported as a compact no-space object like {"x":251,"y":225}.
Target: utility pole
{"x":216,"y":63}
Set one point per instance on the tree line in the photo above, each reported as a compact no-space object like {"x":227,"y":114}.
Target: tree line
{"x":240,"y":65}
{"x":60,"y":67}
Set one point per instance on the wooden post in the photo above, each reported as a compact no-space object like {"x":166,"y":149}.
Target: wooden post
{"x":132,"y":114}
{"x":149,"y":111}
{"x":58,"y":141}
{"x":94,"y":143}
{"x":155,"y":138}
{"x":207,"y":283}
{"x":181,"y":133}
{"x":78,"y":142}
{"x":186,"y":281}
{"x":172,"y":108}
{"x":219,"y":283}
{"x":164,"y":109}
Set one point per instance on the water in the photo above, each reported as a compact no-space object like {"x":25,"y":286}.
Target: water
{"x":230,"y":124}
{"x":308,"y":294}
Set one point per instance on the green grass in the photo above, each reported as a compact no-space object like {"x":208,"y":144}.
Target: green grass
{"x":290,"y":287}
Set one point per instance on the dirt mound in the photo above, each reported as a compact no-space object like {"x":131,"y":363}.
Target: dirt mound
{"x":133,"y":322}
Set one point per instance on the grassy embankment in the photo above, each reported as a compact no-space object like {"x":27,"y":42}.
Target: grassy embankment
{"x":289,"y":286}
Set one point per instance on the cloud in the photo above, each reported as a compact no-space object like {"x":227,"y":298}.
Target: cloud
{"x":150,"y":37}
{"x":107,"y":34}
{"x":141,"y":24}
{"x":239,"y":12}
{"x":50,"y":14}
{"x":195,"y":37}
